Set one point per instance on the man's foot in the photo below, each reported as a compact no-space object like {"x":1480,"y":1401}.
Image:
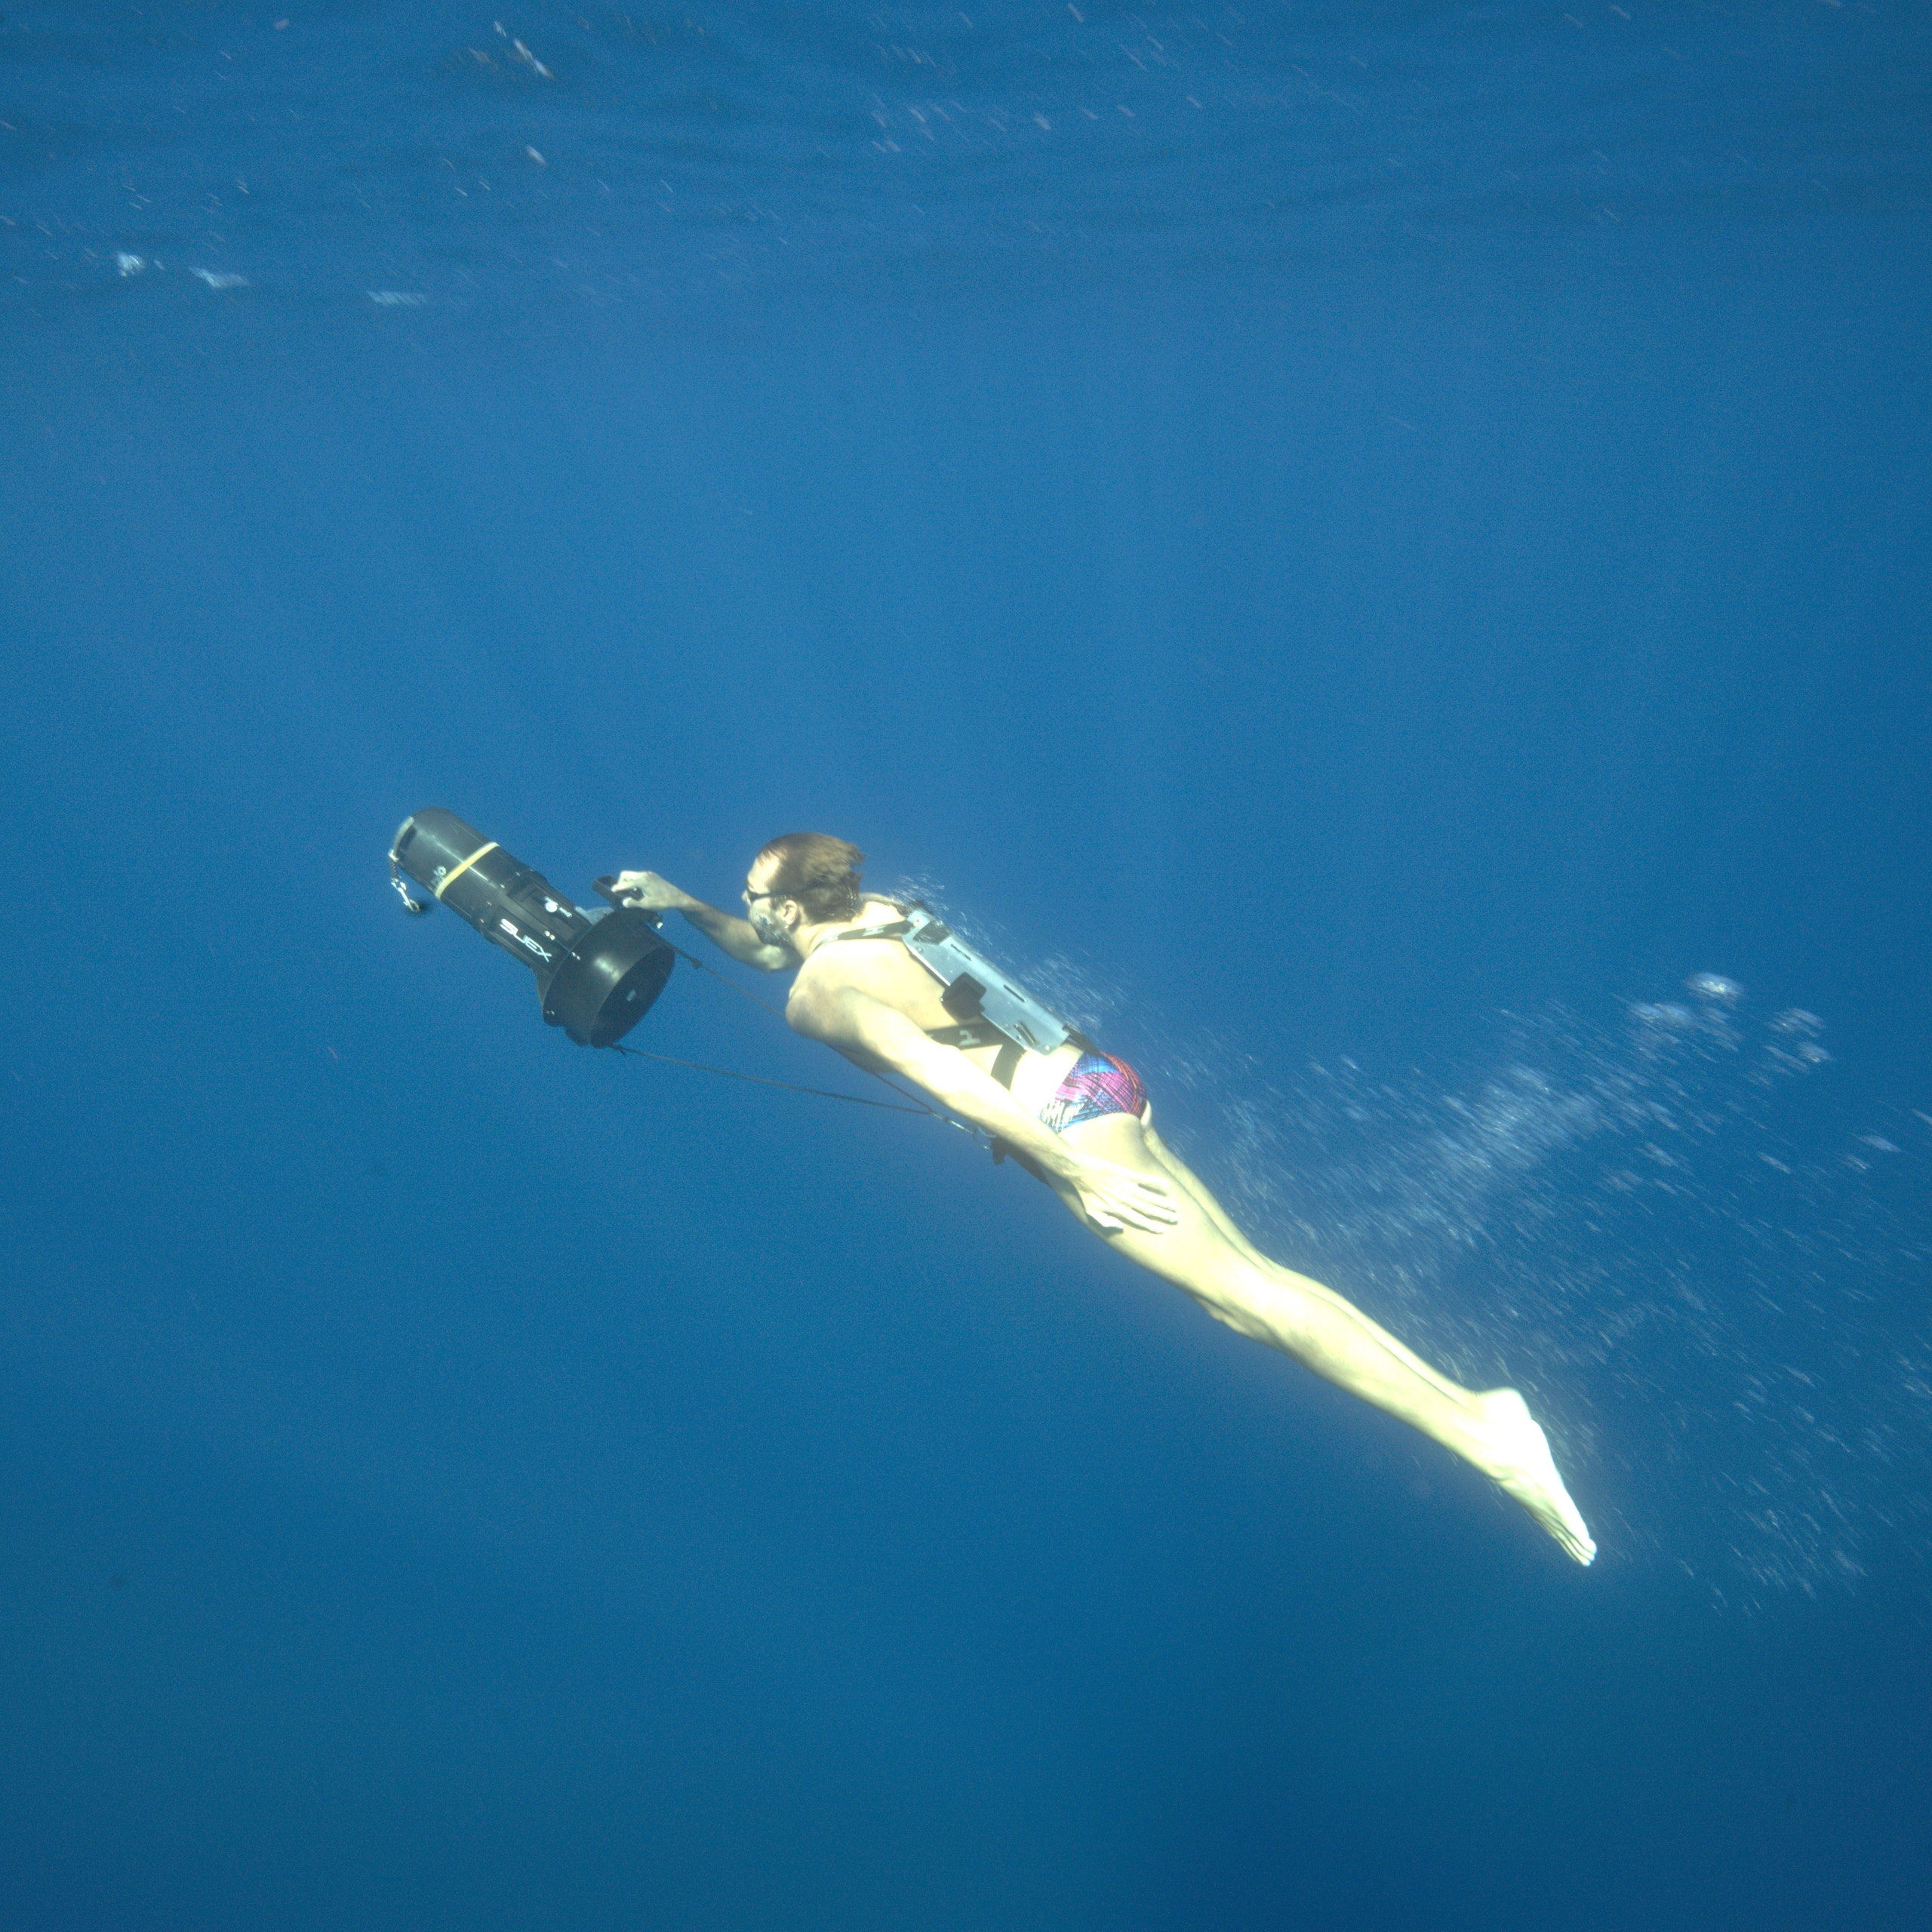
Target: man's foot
{"x":1515,"y":1456}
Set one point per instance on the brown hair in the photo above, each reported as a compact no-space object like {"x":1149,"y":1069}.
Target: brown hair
{"x":821,"y":873}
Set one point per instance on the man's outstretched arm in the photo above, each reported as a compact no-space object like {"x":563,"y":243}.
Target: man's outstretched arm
{"x":735,"y":936}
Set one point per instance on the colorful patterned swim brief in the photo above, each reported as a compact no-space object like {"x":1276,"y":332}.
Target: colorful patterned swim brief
{"x":1095,"y":1084}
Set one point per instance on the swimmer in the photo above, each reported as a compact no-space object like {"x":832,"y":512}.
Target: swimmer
{"x":1081,"y":1121}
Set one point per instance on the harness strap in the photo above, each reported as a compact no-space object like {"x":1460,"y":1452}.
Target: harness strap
{"x":973,"y":1033}
{"x":967,"y":1036}
{"x":898,"y":929}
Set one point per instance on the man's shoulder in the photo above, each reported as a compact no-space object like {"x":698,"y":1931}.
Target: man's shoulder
{"x":845,"y":958}
{"x":824,"y":989}
{"x":830,"y":965}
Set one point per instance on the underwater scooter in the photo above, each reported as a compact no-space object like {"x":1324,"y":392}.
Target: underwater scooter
{"x":597,"y":973}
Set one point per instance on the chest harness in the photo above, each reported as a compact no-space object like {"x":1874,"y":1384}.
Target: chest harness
{"x":988,"y":1010}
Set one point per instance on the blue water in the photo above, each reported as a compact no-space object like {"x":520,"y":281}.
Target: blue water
{"x":1368,"y":551}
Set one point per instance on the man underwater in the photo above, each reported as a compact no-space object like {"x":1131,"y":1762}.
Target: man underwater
{"x":1081,"y":1121}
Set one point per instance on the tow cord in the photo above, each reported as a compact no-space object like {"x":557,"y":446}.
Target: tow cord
{"x":908,"y":1104}
{"x":790,"y":1087}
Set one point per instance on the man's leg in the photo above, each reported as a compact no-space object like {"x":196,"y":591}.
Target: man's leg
{"x":1306,"y":1284}
{"x":1205,"y":1254}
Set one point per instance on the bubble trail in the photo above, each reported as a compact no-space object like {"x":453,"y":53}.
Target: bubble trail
{"x":1661,"y":1233}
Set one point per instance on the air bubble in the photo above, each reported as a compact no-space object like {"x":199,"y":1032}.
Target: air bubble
{"x":1714,"y":985}
{"x":1677,"y":1018}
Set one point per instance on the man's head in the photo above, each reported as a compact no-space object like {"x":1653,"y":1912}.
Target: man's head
{"x":811,"y":870}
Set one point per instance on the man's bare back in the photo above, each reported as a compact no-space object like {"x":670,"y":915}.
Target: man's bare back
{"x":882,"y":969}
